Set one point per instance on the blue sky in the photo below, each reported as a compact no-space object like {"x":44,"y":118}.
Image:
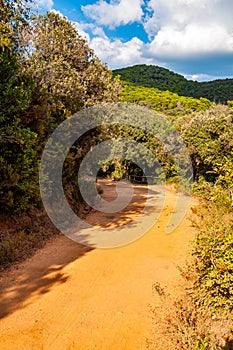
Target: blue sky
{"x":191,"y":37}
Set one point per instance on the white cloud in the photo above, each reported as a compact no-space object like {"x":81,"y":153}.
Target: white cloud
{"x":116,"y":13}
{"x":98,"y":31}
{"x":81,"y":31}
{"x":58,"y":13}
{"x":189,"y":27}
{"x":203,"y":77}
{"x":192,"y":40}
{"x":183,"y":34}
{"x":118,"y":54}
{"x":45,"y":4}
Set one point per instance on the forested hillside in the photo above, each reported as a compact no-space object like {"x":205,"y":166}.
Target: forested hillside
{"x":167,"y":102}
{"x":164,"y":79}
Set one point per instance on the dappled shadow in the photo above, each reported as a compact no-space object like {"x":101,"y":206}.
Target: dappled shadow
{"x":45,"y":270}
{"x":38,"y":275}
{"x":129,"y":214}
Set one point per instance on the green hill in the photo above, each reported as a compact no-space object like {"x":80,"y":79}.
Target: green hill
{"x":164,"y":79}
{"x":167,"y":102}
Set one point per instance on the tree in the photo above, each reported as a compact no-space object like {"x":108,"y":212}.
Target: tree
{"x":62,"y":65}
{"x":209,"y":137}
{"x":47,"y":72}
{"x":17,"y":158}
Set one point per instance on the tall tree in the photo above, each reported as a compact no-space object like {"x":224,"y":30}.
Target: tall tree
{"x":47,"y":72}
{"x":17,"y":157}
{"x":63,"y":65}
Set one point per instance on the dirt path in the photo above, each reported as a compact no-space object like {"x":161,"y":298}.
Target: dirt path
{"x":69,"y":296}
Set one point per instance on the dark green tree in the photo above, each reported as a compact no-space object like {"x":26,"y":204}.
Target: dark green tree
{"x":17,"y":141}
{"x":209,"y":138}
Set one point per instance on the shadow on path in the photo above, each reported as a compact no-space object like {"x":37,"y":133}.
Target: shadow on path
{"x":39,"y":274}
{"x":44,"y":270}
{"x":126,"y":215}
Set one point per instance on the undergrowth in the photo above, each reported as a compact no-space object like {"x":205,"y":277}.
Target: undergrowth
{"x":21,"y":237}
{"x":202,"y":319}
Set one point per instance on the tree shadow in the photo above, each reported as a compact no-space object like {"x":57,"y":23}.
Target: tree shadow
{"x":129,"y":214}
{"x":45,"y":270}
{"x":39,"y":274}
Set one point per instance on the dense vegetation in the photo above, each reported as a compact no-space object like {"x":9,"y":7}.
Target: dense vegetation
{"x":48,"y":72}
{"x":166,"y":102}
{"x":164,"y":79}
{"x":203,"y":318}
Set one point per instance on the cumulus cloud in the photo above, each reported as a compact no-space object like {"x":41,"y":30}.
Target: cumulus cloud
{"x":189,"y":27}
{"x":116,"y":13}
{"x":118,"y":54}
{"x":58,"y":13}
{"x":202,"y":77}
{"x":178,"y":30}
{"x":192,"y":37}
{"x":45,"y":4}
{"x":81,"y":30}
{"x":192,"y":40}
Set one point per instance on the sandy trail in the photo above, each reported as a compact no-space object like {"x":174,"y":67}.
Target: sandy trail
{"x":69,"y":296}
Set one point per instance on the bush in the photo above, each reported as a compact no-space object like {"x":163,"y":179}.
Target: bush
{"x":213,"y":252}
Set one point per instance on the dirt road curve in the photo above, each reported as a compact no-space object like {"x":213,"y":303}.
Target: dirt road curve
{"x":69,"y":296}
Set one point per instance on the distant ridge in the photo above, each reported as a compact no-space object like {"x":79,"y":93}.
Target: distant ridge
{"x":157,"y":77}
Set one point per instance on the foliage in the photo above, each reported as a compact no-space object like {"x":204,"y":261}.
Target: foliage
{"x":164,"y":79}
{"x":202,"y":318}
{"x":182,"y":325}
{"x":179,"y":108}
{"x":15,"y":13}
{"x":47,"y":72}
{"x":209,"y":138}
{"x":65,"y":68}
{"x":163,"y":101}
{"x":153,"y":76}
{"x":17,"y":159}
{"x":213,"y":251}
{"x":21,"y":236}
{"x":157,"y":140}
